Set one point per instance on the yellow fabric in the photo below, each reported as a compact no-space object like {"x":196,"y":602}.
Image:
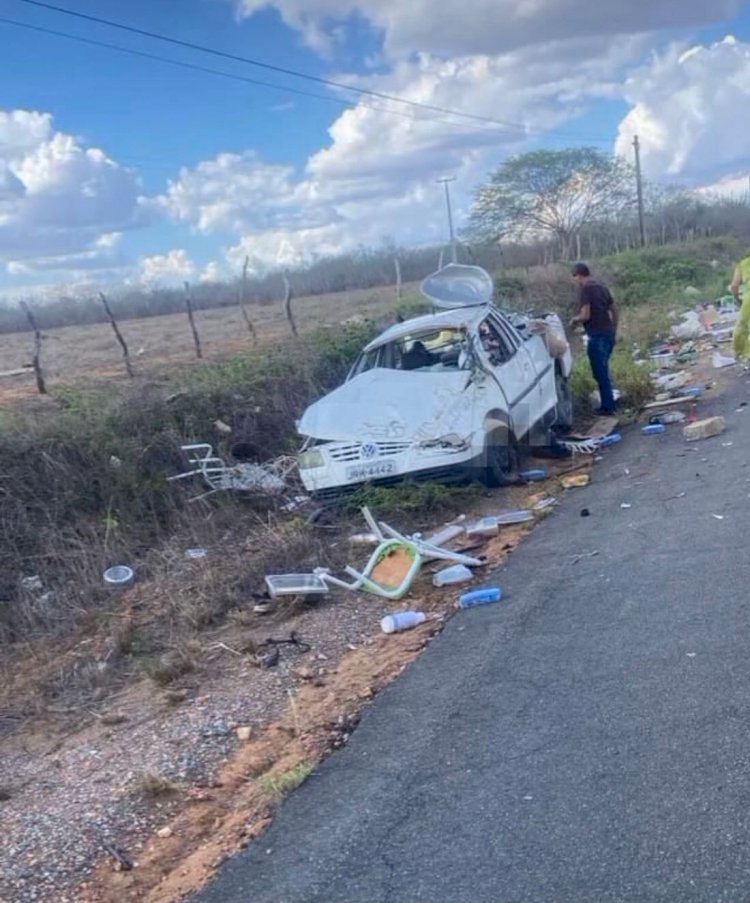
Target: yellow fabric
{"x":741,"y":337}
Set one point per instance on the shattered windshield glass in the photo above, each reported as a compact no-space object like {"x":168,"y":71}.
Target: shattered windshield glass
{"x":434,"y":351}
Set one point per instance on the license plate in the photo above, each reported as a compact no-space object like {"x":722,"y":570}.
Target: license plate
{"x":371,"y":471}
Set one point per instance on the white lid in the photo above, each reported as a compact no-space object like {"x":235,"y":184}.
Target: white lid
{"x":458,"y":285}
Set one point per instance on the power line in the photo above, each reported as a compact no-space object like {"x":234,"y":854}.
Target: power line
{"x":206,"y":70}
{"x":295,"y":73}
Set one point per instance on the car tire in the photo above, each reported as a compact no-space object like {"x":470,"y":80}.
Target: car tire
{"x":564,"y":407}
{"x":502,"y":459}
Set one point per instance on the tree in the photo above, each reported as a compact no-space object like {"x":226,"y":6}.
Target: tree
{"x":552,"y":193}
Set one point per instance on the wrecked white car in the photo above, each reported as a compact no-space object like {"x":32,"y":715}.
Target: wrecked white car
{"x":441,"y":396}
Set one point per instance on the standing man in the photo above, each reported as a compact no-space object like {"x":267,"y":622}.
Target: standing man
{"x":740,"y":339}
{"x":598,"y":314}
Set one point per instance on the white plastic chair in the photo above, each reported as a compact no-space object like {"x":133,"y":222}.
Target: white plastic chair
{"x":243,"y":477}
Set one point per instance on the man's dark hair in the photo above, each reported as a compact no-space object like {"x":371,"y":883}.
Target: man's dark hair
{"x":580,"y":269}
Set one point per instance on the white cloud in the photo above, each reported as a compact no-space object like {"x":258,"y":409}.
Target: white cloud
{"x":376,"y":178}
{"x":484,"y":26}
{"x":688,"y":109}
{"x":172,"y":268}
{"x":59,"y":200}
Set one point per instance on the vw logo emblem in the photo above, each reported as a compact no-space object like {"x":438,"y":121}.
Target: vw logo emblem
{"x":369,"y":450}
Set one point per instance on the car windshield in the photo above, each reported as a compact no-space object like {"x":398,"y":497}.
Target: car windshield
{"x":435,"y":351}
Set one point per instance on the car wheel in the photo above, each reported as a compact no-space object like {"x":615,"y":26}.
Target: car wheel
{"x":564,"y":407}
{"x":502,"y":459}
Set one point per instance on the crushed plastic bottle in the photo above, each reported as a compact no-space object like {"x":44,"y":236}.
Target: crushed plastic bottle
{"x":653,"y":428}
{"x":480,"y":597}
{"x":457,"y":573}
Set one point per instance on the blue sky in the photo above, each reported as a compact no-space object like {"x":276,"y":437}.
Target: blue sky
{"x":116,"y":169}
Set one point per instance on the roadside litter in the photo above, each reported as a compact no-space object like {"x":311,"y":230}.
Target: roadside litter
{"x":267,"y":478}
{"x":195,"y":554}
{"x":653,"y":428}
{"x":480,"y":597}
{"x":392,"y":567}
{"x":118,"y":576}
{"x":704,"y":429}
{"x":720,"y":360}
{"x":575,"y":480}
{"x":402,"y":620}
{"x":531,"y":476}
{"x":457,"y":573}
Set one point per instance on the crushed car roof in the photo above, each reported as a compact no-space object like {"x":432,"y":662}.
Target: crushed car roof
{"x":460,"y":318}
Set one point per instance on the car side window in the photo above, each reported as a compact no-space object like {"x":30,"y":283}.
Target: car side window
{"x":495,"y":343}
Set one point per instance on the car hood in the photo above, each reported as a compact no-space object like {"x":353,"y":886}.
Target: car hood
{"x":391,"y":404}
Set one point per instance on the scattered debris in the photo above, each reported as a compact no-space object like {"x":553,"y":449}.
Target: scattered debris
{"x":122,"y":862}
{"x":576,"y":558}
{"x":402,"y":620}
{"x":268,"y":478}
{"x":480,"y":597}
{"x":704,"y":429}
{"x":585,"y":512}
{"x":652,"y":429}
{"x":720,"y":360}
{"x":457,"y":573}
{"x":531,"y":476}
{"x":575,"y":480}
{"x":222,"y":427}
{"x":33,"y":584}
{"x":626,"y":505}
{"x":120,"y":575}
{"x":244,"y":732}
{"x":718,"y":516}
{"x":668,"y":417}
{"x":196,"y":553}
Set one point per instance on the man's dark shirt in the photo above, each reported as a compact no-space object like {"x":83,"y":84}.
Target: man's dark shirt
{"x":600,"y":302}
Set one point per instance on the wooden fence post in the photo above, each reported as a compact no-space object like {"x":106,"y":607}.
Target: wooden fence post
{"x":35,"y":361}
{"x":250,"y":327}
{"x":191,"y":318}
{"x":288,"y":295}
{"x":118,"y":334}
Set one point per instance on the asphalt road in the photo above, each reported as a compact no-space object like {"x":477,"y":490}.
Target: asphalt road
{"x":587,"y":739}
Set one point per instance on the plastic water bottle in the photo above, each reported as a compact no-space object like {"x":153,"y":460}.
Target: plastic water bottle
{"x":480,"y":597}
{"x":609,"y":440}
{"x":534,"y":475}
{"x":694,"y":391}
{"x":458,"y":573}
{"x":653,"y":428}
{"x":402,"y":620}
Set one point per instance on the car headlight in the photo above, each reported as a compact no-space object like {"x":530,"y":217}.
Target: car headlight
{"x":310,"y":459}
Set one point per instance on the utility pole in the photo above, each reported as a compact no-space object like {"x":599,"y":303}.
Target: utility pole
{"x":639,"y":183}
{"x":444,"y":183}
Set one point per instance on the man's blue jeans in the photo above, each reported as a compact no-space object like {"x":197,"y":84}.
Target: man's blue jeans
{"x":600,"y":347}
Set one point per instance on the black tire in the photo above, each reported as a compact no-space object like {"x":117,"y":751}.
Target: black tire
{"x":502,"y":459}
{"x":564,"y":407}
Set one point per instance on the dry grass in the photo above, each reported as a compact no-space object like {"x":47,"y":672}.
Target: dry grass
{"x":159,"y":344}
{"x":280,"y":784}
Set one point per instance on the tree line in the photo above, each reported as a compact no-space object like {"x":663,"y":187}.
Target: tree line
{"x":536,"y":208}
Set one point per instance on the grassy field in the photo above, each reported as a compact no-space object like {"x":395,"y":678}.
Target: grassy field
{"x":76,"y":354}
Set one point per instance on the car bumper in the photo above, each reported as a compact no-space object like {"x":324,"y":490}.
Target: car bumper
{"x":337,"y":477}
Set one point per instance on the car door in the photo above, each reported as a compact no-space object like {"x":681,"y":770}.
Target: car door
{"x":544,"y":366}
{"x":513,"y":370}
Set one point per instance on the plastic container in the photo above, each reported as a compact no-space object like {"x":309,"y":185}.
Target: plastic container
{"x":533,"y":476}
{"x":694,"y":391}
{"x":402,"y":620}
{"x":653,"y":428}
{"x":453,"y":531}
{"x":513,"y":517}
{"x":485,"y":526}
{"x":612,"y":439}
{"x":295,"y":585}
{"x":457,"y":573}
{"x":480,"y":597}
{"x":118,"y":576}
